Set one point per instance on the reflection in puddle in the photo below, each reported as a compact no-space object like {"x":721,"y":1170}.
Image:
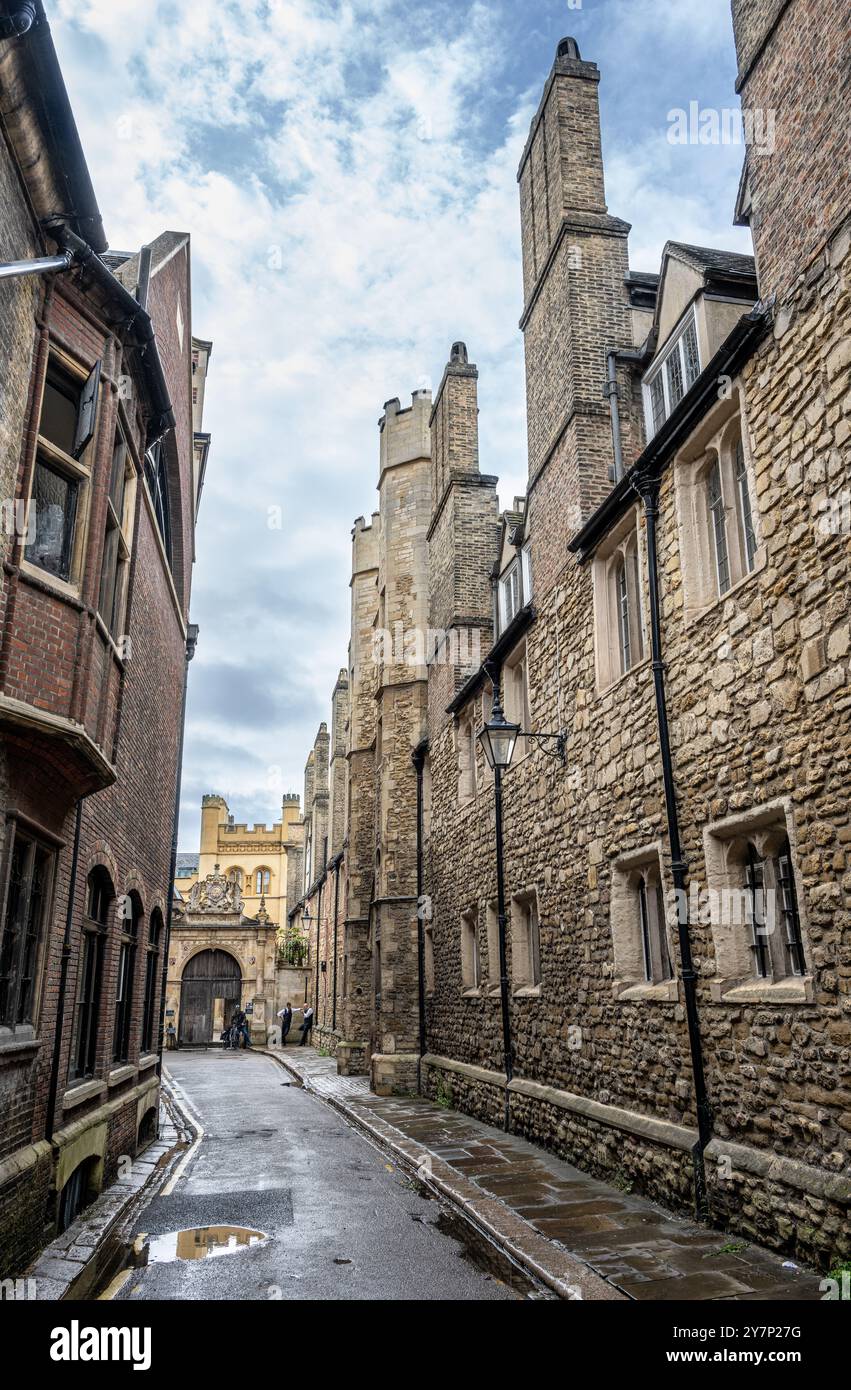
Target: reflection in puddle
{"x":202,"y":1242}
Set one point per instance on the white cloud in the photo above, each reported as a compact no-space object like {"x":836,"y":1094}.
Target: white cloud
{"x":350,"y":190}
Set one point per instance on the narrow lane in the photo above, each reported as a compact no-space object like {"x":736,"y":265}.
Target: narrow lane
{"x":341,"y":1222}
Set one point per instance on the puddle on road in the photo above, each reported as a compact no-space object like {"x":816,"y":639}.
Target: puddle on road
{"x":202,"y":1242}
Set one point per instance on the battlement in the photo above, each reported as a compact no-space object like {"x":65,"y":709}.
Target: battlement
{"x":406,"y":434}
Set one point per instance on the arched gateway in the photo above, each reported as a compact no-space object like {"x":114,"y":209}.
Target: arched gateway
{"x":210,"y":988}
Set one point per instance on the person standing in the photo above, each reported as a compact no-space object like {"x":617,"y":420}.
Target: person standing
{"x":306,"y":1025}
{"x":286,"y":1016}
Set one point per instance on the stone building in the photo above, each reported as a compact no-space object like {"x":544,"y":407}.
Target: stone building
{"x":666,"y":618}
{"x":220,"y":958}
{"x":97,"y":440}
{"x":262,"y":860}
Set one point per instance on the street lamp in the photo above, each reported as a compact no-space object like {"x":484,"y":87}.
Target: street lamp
{"x":498,"y":738}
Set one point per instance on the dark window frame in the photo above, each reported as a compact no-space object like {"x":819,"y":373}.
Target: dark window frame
{"x":156,"y":933}
{"x":61,"y":453}
{"x":156,"y":477}
{"x":100,"y":896}
{"x":22,"y":942}
{"x":131,"y":912}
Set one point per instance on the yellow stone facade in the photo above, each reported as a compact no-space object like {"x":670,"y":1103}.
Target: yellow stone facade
{"x":265,"y":861}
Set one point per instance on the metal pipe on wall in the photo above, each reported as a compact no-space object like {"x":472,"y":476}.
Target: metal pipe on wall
{"x":648,"y":489}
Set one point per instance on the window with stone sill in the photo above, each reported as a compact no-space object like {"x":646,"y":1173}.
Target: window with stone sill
{"x":466,"y":746}
{"x":492,"y":933}
{"x":471,"y":972}
{"x":262,"y":881}
{"x":619,"y":615}
{"x":753,"y":904}
{"x":525,"y":942}
{"x":515,"y":696}
{"x":719,"y":545}
{"x":640,"y":928}
{"x":56,"y":507}
{"x":428,"y":952}
{"x":510,"y":594}
{"x":672,"y":376}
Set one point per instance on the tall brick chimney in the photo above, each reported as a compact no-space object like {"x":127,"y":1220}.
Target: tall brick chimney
{"x":463,"y":534}
{"x":574,"y":263}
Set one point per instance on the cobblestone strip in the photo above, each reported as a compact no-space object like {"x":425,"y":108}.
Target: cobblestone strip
{"x":558,"y":1270}
{"x":77,"y":1261}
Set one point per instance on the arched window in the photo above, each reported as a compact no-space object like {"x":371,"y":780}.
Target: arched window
{"x":235,"y":875}
{"x":100,"y":896}
{"x":155,"y":937}
{"x":130,"y":918}
{"x":262,"y":880}
{"x":156,"y":476}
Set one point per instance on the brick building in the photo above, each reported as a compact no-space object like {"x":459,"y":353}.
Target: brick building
{"x":669,"y":607}
{"x":100,"y":461}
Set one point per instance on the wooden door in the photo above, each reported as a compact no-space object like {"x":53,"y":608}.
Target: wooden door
{"x":211,"y":987}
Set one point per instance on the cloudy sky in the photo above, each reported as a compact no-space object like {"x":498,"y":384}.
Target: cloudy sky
{"x":347,"y":171}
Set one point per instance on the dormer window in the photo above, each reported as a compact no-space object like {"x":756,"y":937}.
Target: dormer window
{"x":509,"y":595}
{"x":672,"y":376}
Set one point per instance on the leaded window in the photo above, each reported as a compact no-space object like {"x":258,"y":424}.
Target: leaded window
{"x":99,"y":898}
{"x":130,"y":917}
{"x":718,"y":523}
{"x":152,"y":960}
{"x":30,"y":873}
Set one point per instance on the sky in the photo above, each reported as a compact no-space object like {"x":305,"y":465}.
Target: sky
{"x":347,"y":172}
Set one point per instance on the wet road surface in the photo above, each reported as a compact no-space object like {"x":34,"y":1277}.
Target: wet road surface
{"x":320,"y":1212}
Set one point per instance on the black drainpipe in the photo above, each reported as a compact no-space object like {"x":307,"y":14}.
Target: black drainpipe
{"x":63,"y":977}
{"x":334,"y":966}
{"x":191,"y":643}
{"x":318,"y":923}
{"x":648,"y":489}
{"x":418,"y":757}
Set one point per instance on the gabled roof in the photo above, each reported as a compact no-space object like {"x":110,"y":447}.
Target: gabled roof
{"x":710,"y":259}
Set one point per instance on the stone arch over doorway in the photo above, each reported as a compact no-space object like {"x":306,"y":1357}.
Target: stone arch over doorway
{"x":210,"y":989}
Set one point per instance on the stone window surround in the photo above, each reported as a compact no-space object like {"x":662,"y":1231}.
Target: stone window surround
{"x":491,"y":985}
{"x":471,"y":965}
{"x":525,"y":944}
{"x":625,"y":540}
{"x":428,"y":955}
{"x":516,"y":700}
{"x":465,"y":735}
{"x":713,"y":439}
{"x":629,"y":983}
{"x":734,"y":981}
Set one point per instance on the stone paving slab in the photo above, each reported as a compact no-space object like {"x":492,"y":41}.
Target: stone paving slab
{"x":581,"y":1237}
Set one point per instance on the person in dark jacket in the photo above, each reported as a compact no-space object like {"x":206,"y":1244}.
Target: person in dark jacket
{"x":286,"y":1016}
{"x":307,"y":1025}
{"x":240,"y":1023}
